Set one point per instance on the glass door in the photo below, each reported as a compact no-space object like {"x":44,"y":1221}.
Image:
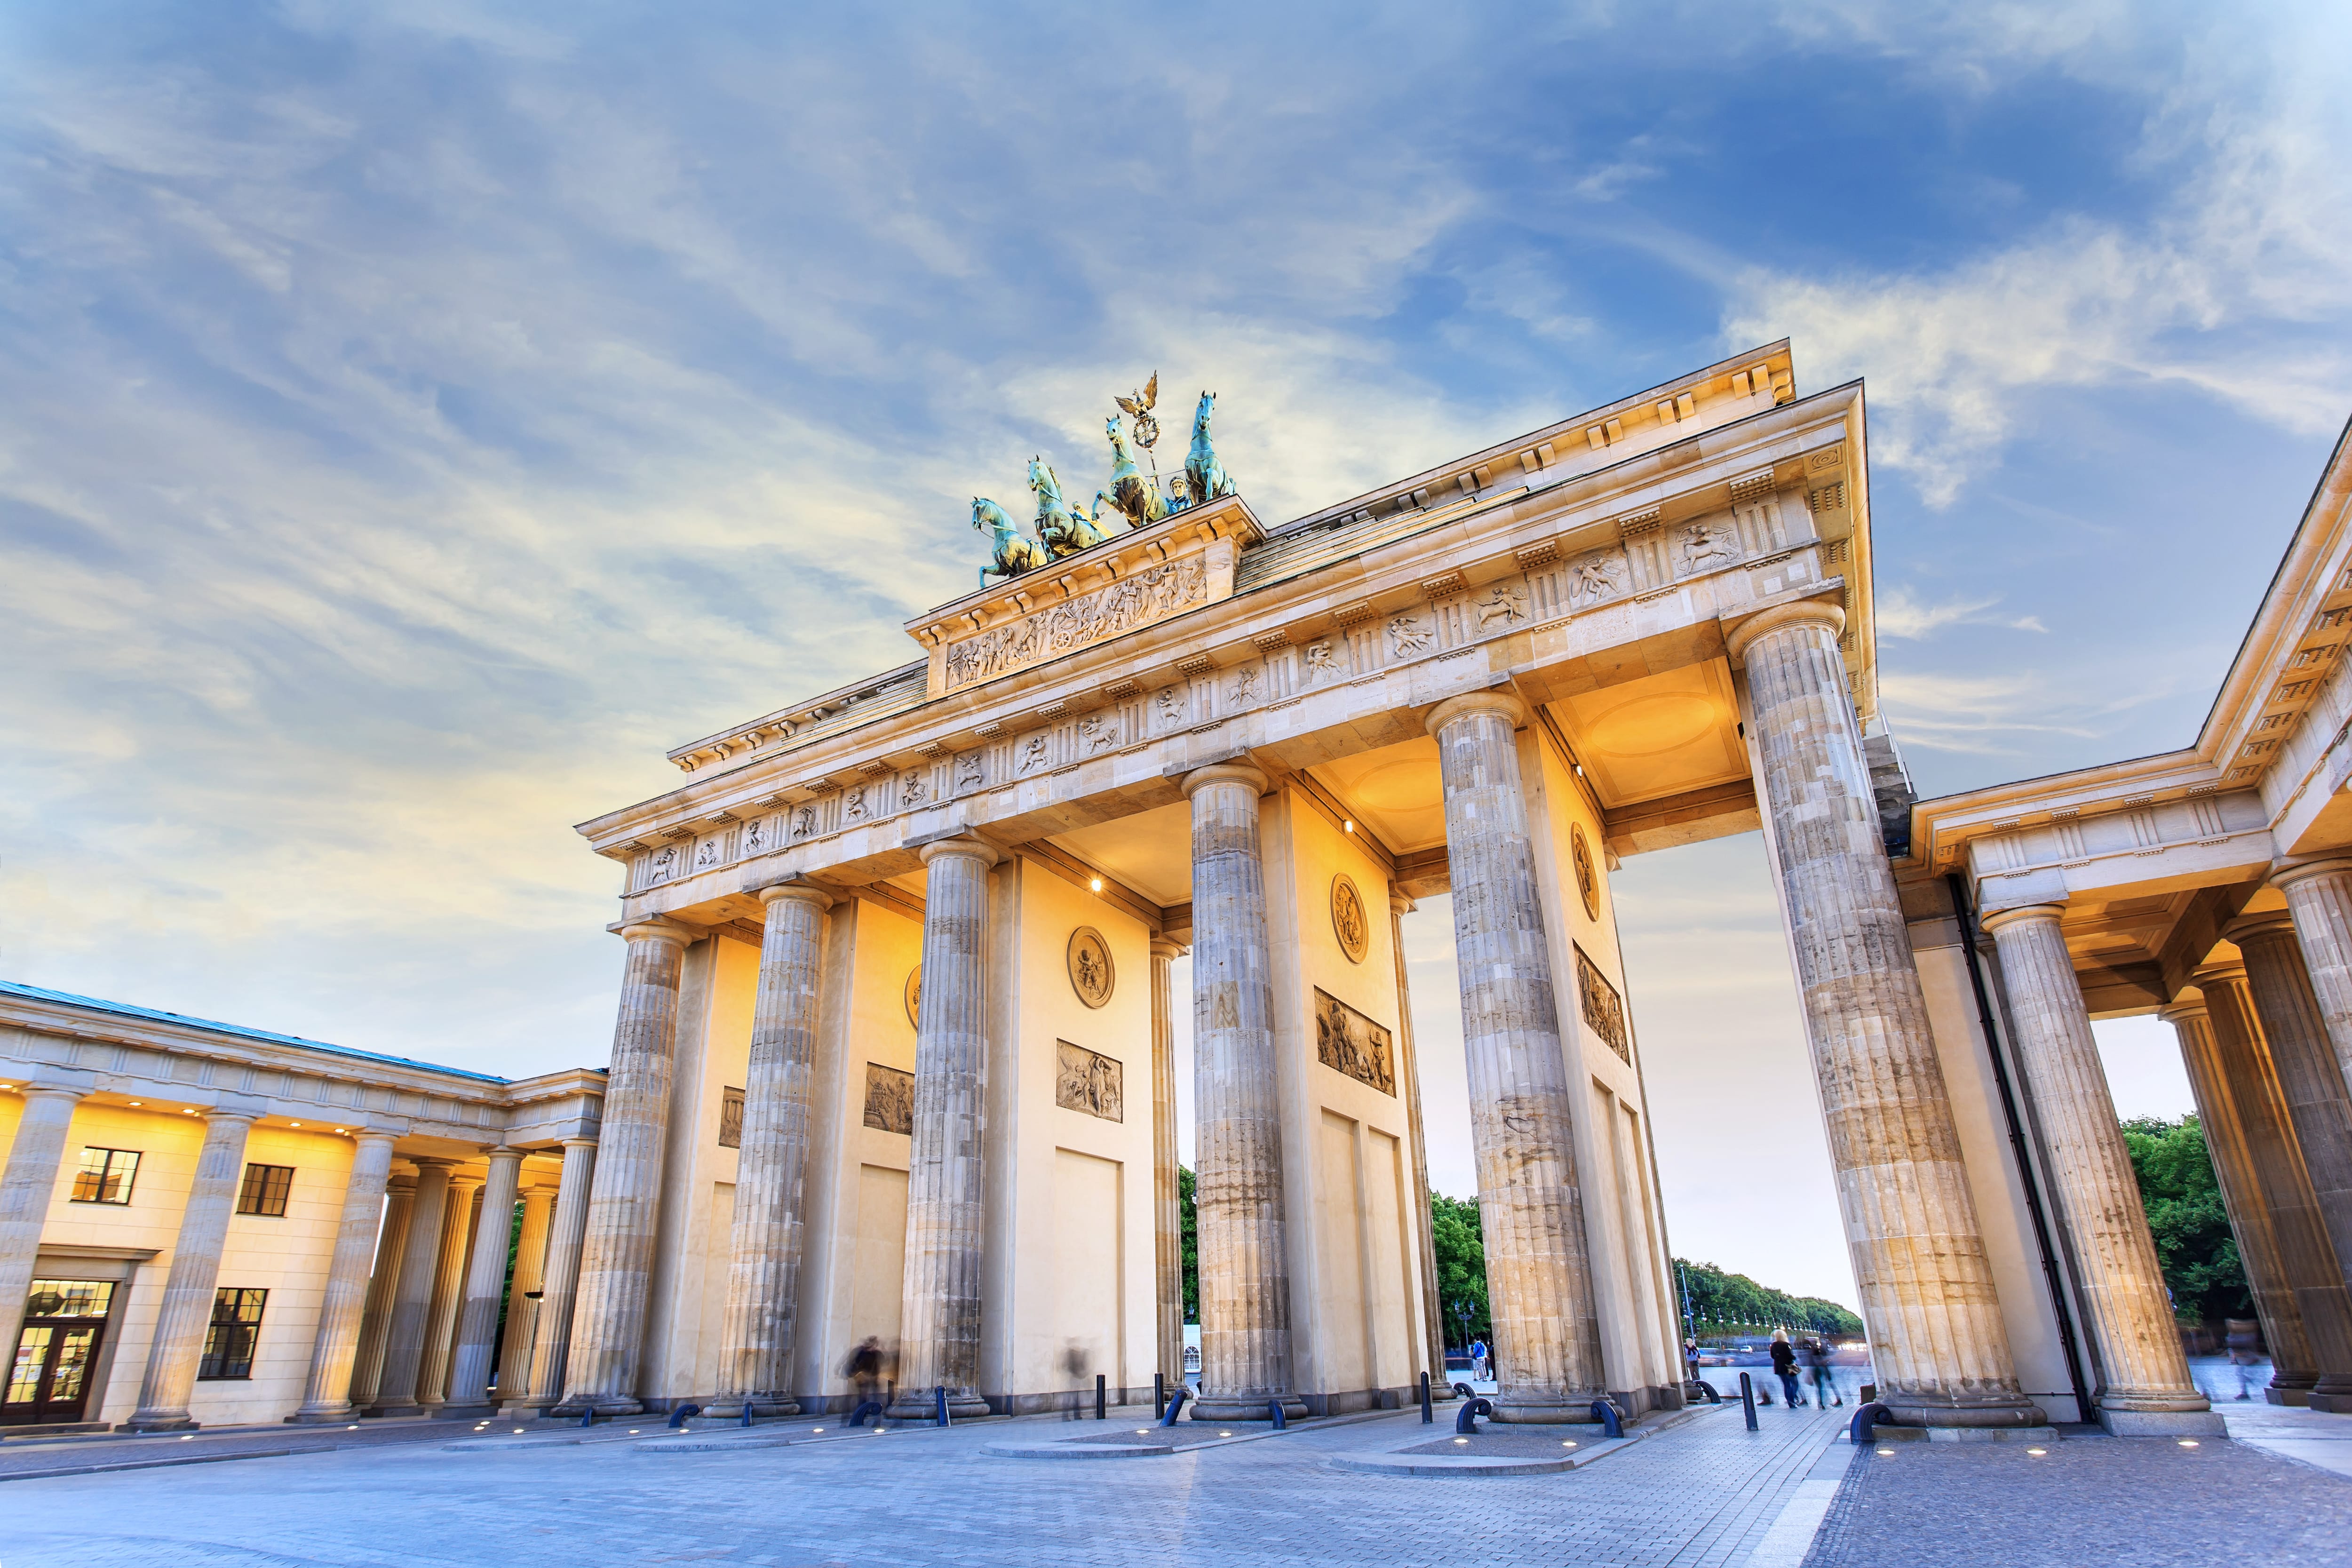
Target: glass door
{"x":48,"y":1381}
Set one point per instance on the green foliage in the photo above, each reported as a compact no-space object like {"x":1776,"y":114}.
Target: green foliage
{"x":1461,"y":1249}
{"x":1733,"y":1303}
{"x":2193,"y":1244}
{"x":1192,"y":1230}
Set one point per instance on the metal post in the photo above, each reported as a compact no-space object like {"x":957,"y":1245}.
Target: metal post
{"x":1747,"y":1400}
{"x":1159,"y":1390}
{"x":1102,"y":1407}
{"x":1427,"y":1416}
{"x":940,"y":1404}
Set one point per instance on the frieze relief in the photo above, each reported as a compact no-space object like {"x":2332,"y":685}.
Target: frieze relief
{"x":1348,"y":1042}
{"x":1148,"y":595}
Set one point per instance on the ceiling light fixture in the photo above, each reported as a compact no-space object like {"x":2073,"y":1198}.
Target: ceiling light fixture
{"x":1097,"y":884}
{"x":1349,"y":823}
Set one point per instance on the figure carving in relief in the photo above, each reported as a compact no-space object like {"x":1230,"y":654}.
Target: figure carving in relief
{"x":914,"y":791}
{"x":1097,"y":731}
{"x":967,"y":771}
{"x":707,"y":855}
{"x":1246,"y":684}
{"x":1506,"y":604}
{"x":1348,"y":1042}
{"x":1320,"y":660}
{"x":804,"y":822}
{"x":854,"y":807}
{"x":1089,"y":1081}
{"x":755,"y":836}
{"x":1032,"y":752}
{"x":1124,"y":605}
{"x":1707,"y":544}
{"x":1407,"y":635}
{"x":664,"y":864}
{"x":1172,"y":702}
{"x":1594,"y":578}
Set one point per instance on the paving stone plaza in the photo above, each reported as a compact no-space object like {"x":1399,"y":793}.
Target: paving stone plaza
{"x":1705,"y":1491}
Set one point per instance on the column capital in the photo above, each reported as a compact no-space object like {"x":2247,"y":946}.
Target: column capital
{"x":364,"y":1136}
{"x":505,"y":1152}
{"x":1398,"y":904}
{"x":1803,"y":612}
{"x":404,"y":1179}
{"x":1223,"y":772}
{"x":775,"y":893}
{"x":2189,"y":1003}
{"x":1508,"y":707}
{"x":577,"y":1143}
{"x":2221,"y":972}
{"x":1163,"y":948}
{"x":2285,"y":873}
{"x":2274,"y":922}
{"x":424,"y":1163}
{"x":657,"y":929}
{"x":1999,"y":920}
{"x":962,"y":848}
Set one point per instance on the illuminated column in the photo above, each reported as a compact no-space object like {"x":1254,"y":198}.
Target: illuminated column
{"x":551,"y":1345}
{"x":187,"y":1311}
{"x":26,"y":1186}
{"x":486,"y":1285}
{"x":525,"y":1293}
{"x":1433,"y":1325}
{"x":412,"y":1300}
{"x":1167,"y":1200}
{"x":367,"y":1369}
{"x":335,"y":1346}
{"x":458,"y":1225}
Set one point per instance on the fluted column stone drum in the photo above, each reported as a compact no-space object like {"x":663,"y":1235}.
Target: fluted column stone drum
{"x":459,"y":1219}
{"x":524,"y":1292}
{"x":2292,"y":1366}
{"x":1432,"y":1320}
{"x":1237,"y":1190}
{"x":26,"y":1185}
{"x":485,"y":1286}
{"x":186,"y":1314}
{"x":2306,"y":1257}
{"x":2145,"y":1387}
{"x":2319,"y":901}
{"x":1522,"y":1129}
{"x":384,"y":1284}
{"x":551,"y":1343}
{"x":940,"y":1315}
{"x":1167,"y":1199}
{"x":334,"y":1346}
{"x":1939,"y":1345}
{"x":755,"y":1351}
{"x":608,"y":1322}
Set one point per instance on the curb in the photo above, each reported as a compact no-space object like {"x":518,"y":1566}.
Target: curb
{"x":149,"y":1464}
{"x":1392,"y":1463}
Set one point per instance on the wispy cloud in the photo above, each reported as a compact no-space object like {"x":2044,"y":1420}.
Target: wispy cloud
{"x":1901,"y":614}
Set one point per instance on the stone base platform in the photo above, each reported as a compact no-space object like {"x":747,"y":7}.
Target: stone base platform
{"x":2164,"y":1423}
{"x":1519,"y":1449}
{"x":1882,"y":1433}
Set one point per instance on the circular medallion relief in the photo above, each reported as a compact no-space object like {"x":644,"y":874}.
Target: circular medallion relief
{"x":1588,"y":881}
{"x":1091,"y":975}
{"x":915,"y":996}
{"x":1348,"y":920}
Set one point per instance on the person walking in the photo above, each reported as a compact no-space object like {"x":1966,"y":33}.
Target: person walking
{"x":1478,"y":1358}
{"x":1784,"y":1367}
{"x":1817,"y":1366}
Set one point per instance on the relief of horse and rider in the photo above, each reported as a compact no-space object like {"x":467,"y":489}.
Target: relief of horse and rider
{"x":1133,"y":496}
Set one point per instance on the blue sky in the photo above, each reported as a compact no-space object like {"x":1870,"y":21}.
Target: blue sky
{"x":422,"y":415}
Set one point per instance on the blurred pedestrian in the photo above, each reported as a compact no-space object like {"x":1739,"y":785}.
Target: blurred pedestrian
{"x":864,"y":1371}
{"x":1784,"y":1367}
{"x":1478,"y":1359}
{"x":1817,"y":1365}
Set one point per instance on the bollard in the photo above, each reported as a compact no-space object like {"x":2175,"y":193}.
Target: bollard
{"x":588,"y":1417}
{"x":1465,"y":1420}
{"x":1859,"y":1432}
{"x":678,"y":1416}
{"x":747,"y":1412}
{"x":1102,"y":1408}
{"x":870,"y":1407}
{"x":1176,"y":1403}
{"x":1274,"y":1408}
{"x":1747,"y":1400}
{"x":1159,"y":1390}
{"x":940,"y":1404}
{"x":1466,"y":1391}
{"x":1427,"y":1416}
{"x":1604,"y":1411}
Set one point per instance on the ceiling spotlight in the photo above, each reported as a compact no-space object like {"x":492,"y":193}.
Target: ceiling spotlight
{"x":1349,"y":823}
{"x":134,"y":1104}
{"x":1096,"y":884}
{"x":293,"y":1124}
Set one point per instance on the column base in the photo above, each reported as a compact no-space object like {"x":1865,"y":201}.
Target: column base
{"x":1240,"y":1407}
{"x":2163,"y":1423}
{"x":1916,"y":1412}
{"x":1883,"y":1433}
{"x":730,"y":1407}
{"x":960,"y":1407}
{"x":600,"y":1404}
{"x":466,"y":1411}
{"x":2277,"y":1396}
{"x":323,"y":1417}
{"x":2336,"y":1404}
{"x":1548,"y":1409}
{"x":162,"y":1421}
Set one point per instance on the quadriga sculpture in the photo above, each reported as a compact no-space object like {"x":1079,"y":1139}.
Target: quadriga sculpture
{"x":1207,"y":476}
{"x":1016,"y":552}
{"x":1131,"y":492}
{"x":1064,"y":529}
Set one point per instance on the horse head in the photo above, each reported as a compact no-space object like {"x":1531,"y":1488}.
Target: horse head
{"x":1200,"y":414}
{"x":1121,"y":456}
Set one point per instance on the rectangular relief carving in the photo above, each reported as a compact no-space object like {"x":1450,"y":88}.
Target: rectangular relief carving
{"x":1345,"y":1041}
{"x":1147,"y":596}
{"x":1605,"y":1010}
{"x":889,"y":1098}
{"x":1089,"y":1081}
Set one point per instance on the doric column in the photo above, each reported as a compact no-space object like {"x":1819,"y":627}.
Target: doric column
{"x":1522,"y":1132}
{"x":187,"y":1310}
{"x":1433,"y":1325}
{"x":2292,"y":1365}
{"x":486,"y":1285}
{"x":2145,"y":1385}
{"x":939,"y":1321}
{"x":335,"y":1346}
{"x":763,"y":1275}
{"x":2319,"y":1107}
{"x":1937,"y":1342}
{"x":1237,"y":1181}
{"x":26,"y":1186}
{"x":412,"y":1298}
{"x":1167,"y":1198}
{"x":617,"y":1263}
{"x":367,"y":1368}
{"x":2306,"y":1258}
{"x":523,"y":1293}
{"x":2319,"y":900}
{"x":457,"y":1225}
{"x":551,"y":1345}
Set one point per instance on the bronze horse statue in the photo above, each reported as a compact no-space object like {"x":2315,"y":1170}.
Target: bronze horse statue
{"x":1135,"y":495}
{"x":1206,"y":476}
{"x":1016,"y":552}
{"x":1064,"y":529}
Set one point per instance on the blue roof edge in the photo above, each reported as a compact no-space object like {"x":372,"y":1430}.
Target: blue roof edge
{"x":125,"y":1009}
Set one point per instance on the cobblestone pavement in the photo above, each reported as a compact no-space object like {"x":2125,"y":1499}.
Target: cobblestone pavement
{"x":1700,"y":1495}
{"x":2137,"y":1502}
{"x":21,"y":1457}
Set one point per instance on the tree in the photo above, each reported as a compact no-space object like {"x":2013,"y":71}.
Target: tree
{"x":2193,"y":1244}
{"x":1461,"y":1247}
{"x":1190,"y":1227}
{"x":1722,"y":1302}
